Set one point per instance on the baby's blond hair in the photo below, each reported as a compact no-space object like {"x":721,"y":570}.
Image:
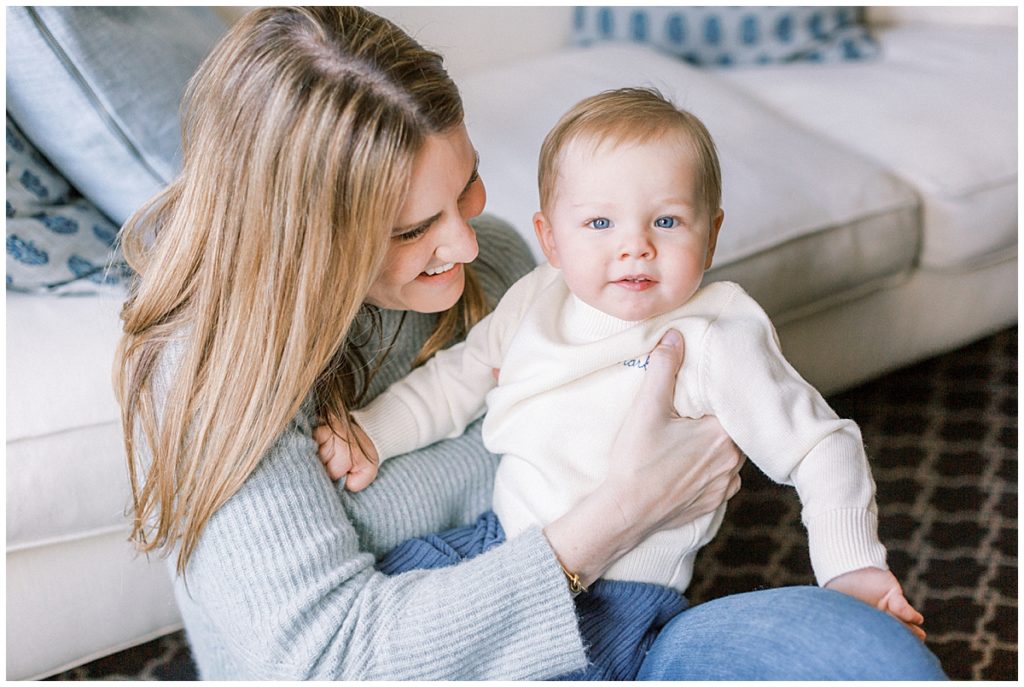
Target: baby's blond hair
{"x":629,"y":115}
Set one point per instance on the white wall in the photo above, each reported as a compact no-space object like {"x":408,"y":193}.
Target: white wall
{"x":473,"y":38}
{"x":1000,"y":16}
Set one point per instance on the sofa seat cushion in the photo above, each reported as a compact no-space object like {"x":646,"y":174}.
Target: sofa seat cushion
{"x":939,"y":109}
{"x":805,"y":220}
{"x":66,"y":476}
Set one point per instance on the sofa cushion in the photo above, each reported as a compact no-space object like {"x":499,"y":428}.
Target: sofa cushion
{"x":97,"y":90}
{"x":939,"y":110}
{"x":57,"y":242}
{"x":65,"y":462}
{"x":726,"y":36}
{"x":805,"y":220}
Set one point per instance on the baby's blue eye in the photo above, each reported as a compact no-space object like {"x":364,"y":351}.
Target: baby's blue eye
{"x":600,"y":223}
{"x":665,"y":222}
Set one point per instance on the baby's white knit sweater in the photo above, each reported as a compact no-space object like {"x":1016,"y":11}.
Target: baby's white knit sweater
{"x":570,"y":372}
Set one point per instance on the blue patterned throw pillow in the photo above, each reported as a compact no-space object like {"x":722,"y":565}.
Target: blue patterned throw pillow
{"x":731,"y":36}
{"x":57,"y":241}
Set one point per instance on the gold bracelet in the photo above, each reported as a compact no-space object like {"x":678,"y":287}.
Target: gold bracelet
{"x":575,"y":584}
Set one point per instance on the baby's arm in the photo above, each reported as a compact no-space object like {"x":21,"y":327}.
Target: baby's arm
{"x":431,"y":403}
{"x":346,"y":451}
{"x":784,"y":425}
{"x":440,"y":398}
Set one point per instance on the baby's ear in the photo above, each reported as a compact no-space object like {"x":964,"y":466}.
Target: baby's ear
{"x":716,"y":224}
{"x":546,"y":238}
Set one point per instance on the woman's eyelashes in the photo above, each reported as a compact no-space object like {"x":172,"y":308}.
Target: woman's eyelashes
{"x":472,"y":180}
{"x":413,"y":233}
{"x":421,"y":229}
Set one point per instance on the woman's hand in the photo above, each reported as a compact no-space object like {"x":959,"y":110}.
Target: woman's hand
{"x":670,"y":471}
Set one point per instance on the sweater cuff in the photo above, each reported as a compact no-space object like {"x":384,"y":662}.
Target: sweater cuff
{"x":544,"y":596}
{"x":842,"y":541}
{"x":390,"y":425}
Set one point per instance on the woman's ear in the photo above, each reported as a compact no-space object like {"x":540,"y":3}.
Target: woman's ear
{"x":716,"y":224}
{"x":546,"y":238}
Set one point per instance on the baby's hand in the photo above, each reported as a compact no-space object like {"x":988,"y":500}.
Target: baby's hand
{"x":351,"y":456}
{"x":880,"y":589}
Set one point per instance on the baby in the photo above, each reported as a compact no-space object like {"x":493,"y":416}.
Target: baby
{"x":630,"y":191}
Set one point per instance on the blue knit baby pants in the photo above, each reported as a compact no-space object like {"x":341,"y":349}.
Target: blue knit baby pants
{"x":618,"y":620}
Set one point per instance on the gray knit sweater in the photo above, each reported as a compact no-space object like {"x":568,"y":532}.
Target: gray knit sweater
{"x":282,"y":584}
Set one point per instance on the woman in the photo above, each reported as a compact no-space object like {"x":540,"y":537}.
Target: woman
{"x":315,"y":246}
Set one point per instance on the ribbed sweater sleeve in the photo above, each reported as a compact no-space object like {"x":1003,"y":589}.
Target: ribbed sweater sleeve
{"x":288,"y":593}
{"x":282,"y":583}
{"x":784,"y":425}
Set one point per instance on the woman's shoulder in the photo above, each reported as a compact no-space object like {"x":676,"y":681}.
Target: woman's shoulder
{"x":504,"y":255}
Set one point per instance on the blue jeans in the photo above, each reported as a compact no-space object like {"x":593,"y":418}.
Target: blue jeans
{"x":791,"y":633}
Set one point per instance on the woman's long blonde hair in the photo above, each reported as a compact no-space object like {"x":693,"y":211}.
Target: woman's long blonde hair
{"x":299,"y":133}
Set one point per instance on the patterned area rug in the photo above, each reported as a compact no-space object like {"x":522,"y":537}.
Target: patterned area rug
{"x":942,"y":438}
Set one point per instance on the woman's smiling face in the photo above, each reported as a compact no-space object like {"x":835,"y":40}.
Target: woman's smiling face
{"x":423,"y":270}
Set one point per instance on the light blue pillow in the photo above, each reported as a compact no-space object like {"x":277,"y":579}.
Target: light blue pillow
{"x":729,"y":36}
{"x":97,"y":90}
{"x":57,"y":241}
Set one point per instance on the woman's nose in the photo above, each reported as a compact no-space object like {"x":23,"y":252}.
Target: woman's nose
{"x":457,"y":242}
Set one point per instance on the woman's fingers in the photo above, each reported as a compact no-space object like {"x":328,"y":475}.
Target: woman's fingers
{"x":670,"y":470}
{"x":717,"y":491}
{"x":658,"y":390}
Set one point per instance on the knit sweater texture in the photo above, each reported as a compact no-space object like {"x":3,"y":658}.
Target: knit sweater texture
{"x":569,"y":374}
{"x":282,"y":584}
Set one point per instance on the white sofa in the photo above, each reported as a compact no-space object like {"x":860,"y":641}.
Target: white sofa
{"x":871,"y":207}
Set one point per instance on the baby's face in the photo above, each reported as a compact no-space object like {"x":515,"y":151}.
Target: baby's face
{"x":628,"y":228}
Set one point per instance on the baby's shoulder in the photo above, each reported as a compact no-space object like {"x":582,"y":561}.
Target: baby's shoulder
{"x":740,"y":322}
{"x":722,"y":311}
{"x":727,"y":300}
{"x":526,"y":291}
{"x":712,"y":302}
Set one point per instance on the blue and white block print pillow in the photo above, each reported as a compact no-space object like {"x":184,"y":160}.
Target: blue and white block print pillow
{"x":730,"y":36}
{"x":57,"y":241}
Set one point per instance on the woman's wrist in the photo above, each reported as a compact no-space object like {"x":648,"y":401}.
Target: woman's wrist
{"x":592,"y":536}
